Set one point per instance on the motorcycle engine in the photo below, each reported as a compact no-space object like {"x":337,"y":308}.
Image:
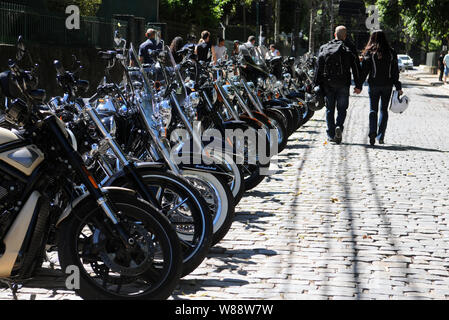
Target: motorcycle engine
{"x":10,"y":193}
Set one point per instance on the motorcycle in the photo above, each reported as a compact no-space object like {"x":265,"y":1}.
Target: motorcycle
{"x":123,"y":247}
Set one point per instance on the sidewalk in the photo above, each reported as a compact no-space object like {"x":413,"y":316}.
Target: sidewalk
{"x":420,"y":75}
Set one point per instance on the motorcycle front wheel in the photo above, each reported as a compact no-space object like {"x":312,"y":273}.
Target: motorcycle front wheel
{"x":109,"y":270}
{"x":185,"y":208}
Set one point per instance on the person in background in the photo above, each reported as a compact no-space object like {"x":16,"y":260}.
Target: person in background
{"x":446,"y":67}
{"x":191,"y":42}
{"x":248,"y":48}
{"x":176,"y":46}
{"x":441,"y":65}
{"x":380,"y":62}
{"x":220,"y":50}
{"x":273,"y":52}
{"x":148,"y":47}
{"x":236,"y":51}
{"x":204,"y":49}
{"x":333,"y":75}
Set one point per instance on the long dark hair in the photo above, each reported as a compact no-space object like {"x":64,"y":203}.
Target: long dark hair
{"x":176,"y":44}
{"x":378,"y":44}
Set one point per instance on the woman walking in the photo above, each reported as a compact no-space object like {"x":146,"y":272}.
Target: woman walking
{"x":380,"y":62}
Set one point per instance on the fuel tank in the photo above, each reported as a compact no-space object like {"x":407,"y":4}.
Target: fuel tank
{"x":24,"y":158}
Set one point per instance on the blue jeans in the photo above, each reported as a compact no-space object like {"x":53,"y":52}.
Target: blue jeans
{"x":378,"y":127}
{"x":336,"y":98}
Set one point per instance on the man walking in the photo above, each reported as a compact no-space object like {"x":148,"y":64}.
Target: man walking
{"x":333,"y":75}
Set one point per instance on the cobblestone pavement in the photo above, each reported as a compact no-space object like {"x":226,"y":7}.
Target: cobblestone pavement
{"x":338,"y":222}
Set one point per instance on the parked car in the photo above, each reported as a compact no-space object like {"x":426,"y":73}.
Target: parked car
{"x":401,"y":65}
{"x":408,"y":62}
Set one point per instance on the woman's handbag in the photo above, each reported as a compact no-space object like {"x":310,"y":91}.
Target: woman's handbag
{"x":399,"y":104}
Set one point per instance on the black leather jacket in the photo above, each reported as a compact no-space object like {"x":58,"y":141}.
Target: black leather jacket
{"x":350,"y":63}
{"x":382,"y":72}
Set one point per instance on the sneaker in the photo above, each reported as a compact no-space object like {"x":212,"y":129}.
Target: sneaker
{"x":338,"y":135}
{"x":381,"y":141}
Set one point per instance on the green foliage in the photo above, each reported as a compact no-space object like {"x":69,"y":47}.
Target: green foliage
{"x":87,"y":7}
{"x":200,"y":12}
{"x":417,"y":18}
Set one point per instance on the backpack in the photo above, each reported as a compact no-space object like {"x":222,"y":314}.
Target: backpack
{"x":333,"y":54}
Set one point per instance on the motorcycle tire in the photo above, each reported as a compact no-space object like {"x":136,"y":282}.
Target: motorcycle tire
{"x":74,"y":251}
{"x":194,"y":245}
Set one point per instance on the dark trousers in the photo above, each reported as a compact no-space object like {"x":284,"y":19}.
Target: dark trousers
{"x":378,"y":125}
{"x":441,"y":74}
{"x":336,"y":98}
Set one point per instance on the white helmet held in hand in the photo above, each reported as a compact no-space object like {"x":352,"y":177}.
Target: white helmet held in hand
{"x":399,"y":104}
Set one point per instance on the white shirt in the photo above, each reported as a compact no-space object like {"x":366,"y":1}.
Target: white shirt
{"x":271,"y":54}
{"x":220,"y":52}
{"x":446,"y":60}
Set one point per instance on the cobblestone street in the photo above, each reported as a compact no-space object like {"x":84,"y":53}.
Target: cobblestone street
{"x":336,"y":222}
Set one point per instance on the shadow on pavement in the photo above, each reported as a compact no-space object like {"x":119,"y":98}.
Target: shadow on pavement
{"x":229,"y":260}
{"x":434,"y":96}
{"x":395,"y":147}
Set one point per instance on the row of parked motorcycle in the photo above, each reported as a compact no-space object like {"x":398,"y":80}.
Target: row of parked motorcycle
{"x":96,"y":179}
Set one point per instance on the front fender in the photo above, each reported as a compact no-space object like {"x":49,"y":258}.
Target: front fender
{"x":157,"y":166}
{"x":86,"y":198}
{"x":206,"y":162}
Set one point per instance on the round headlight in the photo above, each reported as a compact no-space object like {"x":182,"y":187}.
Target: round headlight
{"x":165,"y":112}
{"x":193,"y":99}
{"x":190,"y":84}
{"x":214,"y":96}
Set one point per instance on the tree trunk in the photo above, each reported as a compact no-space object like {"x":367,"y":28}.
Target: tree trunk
{"x":295,"y":35}
{"x":331,"y":11}
{"x":245,"y":36}
{"x":277,"y":20}
{"x":312,"y":21}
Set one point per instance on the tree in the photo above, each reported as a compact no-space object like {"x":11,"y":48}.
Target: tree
{"x":87,"y":7}
{"x":419,"y":20}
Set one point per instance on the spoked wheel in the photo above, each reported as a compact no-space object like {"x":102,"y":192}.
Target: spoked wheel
{"x":186,"y":210}
{"x":148,"y":267}
{"x":276,"y":122}
{"x":254,"y":167}
{"x":218,"y":196}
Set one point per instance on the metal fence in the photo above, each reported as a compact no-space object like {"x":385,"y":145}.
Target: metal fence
{"x":51,"y":29}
